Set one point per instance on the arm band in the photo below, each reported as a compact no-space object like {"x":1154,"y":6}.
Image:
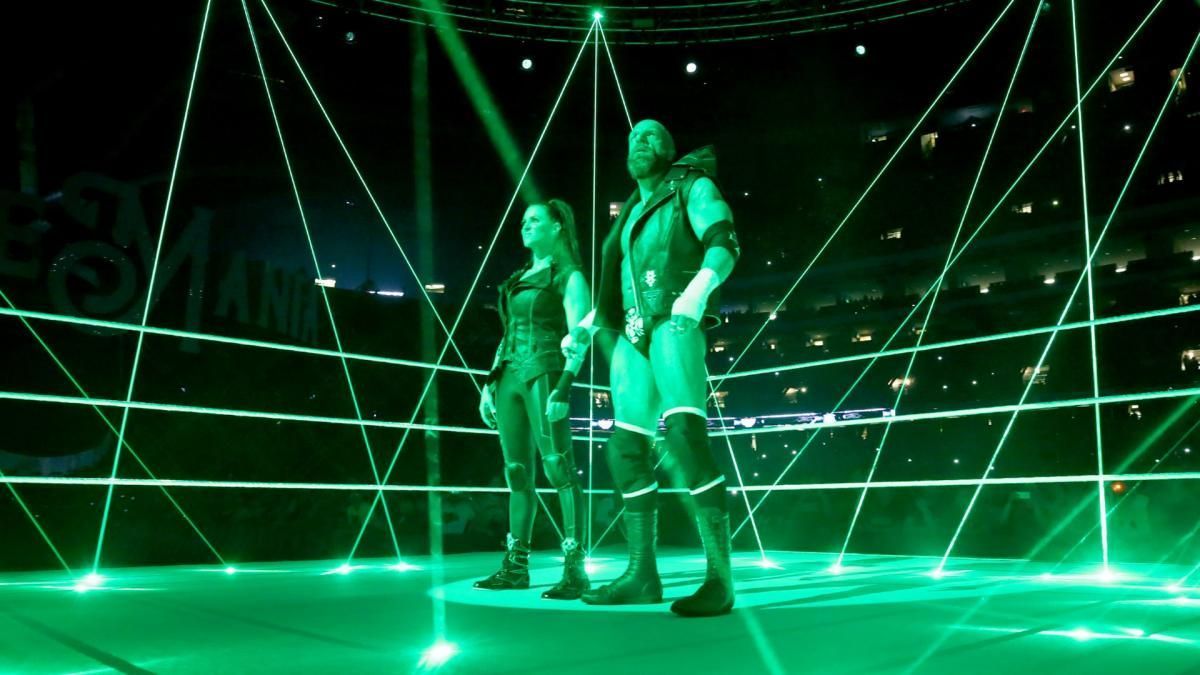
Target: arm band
{"x":721,"y":235}
{"x":562,"y":390}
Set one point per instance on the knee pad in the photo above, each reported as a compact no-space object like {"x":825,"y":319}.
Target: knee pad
{"x":557,"y":467}
{"x":687,"y":442}
{"x":629,"y":461}
{"x":517,"y":477}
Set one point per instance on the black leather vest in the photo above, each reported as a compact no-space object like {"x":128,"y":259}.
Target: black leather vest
{"x":664,"y":251}
{"x":531,"y":310}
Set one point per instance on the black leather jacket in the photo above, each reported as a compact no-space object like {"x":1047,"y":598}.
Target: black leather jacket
{"x":534,"y":322}
{"x":664,"y":251}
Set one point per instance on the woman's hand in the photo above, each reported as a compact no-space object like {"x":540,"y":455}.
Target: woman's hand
{"x":487,"y":408}
{"x":555,"y":409}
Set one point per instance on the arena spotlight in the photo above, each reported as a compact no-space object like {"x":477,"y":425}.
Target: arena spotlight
{"x":526,"y":64}
{"x":861,"y":50}
{"x":690,"y":67}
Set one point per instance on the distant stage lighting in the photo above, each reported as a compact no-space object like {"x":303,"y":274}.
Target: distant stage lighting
{"x":861,"y":50}
{"x":526,"y":64}
{"x":691,"y":67}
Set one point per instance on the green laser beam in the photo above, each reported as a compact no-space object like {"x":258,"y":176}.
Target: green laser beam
{"x":965,"y":342}
{"x":756,"y":17}
{"x":621,"y":511}
{"x":491,"y":32}
{"x":737,"y":470}
{"x":1138,"y":452}
{"x":162,"y":231}
{"x":999,"y":203}
{"x":448,"y":331}
{"x":550,"y":515}
{"x":111,"y":427}
{"x":1129,"y":493}
{"x":592,"y":275}
{"x":480,"y":96}
{"x":1003,"y":198}
{"x":1184,"y":578}
{"x":33,"y":519}
{"x":32,"y":397}
{"x":969,"y":412}
{"x":243,"y":342}
{"x":367,"y":189}
{"x":732,"y":455}
{"x":337,"y":339}
{"x":871,"y":186}
{"x":471,"y":489}
{"x":1070,"y":300}
{"x":803,"y":365}
{"x":1087,"y":247}
{"x":474,"y":283}
{"x":1037,"y":12}
{"x":613,"y":64}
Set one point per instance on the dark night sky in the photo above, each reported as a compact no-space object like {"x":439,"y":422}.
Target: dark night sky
{"x":108,"y":84}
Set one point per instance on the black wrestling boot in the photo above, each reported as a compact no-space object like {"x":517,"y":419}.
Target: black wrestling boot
{"x":639,"y":585}
{"x":514,"y":569}
{"x":574,"y":579}
{"x":715,"y":595}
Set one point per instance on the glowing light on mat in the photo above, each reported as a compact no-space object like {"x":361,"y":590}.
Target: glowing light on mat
{"x":343,"y":569}
{"x":231,"y":570}
{"x":438,"y":654}
{"x":89,"y":582}
{"x":403,"y":567}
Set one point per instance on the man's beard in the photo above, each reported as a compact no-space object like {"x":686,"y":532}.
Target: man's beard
{"x":646,"y":164}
